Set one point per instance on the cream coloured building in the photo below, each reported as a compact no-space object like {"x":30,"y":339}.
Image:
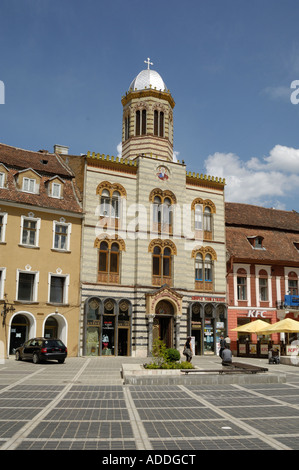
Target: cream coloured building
{"x":153,"y":242}
{"x":40,"y":240}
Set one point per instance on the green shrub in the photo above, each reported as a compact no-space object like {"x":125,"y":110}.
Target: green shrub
{"x":173,"y":355}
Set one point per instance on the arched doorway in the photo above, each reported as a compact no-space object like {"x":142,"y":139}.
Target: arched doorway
{"x":163,"y":323}
{"x":18,"y":332}
{"x":51,"y":328}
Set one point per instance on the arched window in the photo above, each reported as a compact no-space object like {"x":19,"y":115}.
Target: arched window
{"x":204,"y":268}
{"x":127,"y":127}
{"x":162,"y":267}
{"x":159,"y":123}
{"x":203,"y":218}
{"x":242,"y":284}
{"x":109,"y":209}
{"x":109,"y":260}
{"x":263,"y":286}
{"x":292,"y":283}
{"x":198,"y":217}
{"x":140,"y":122}
{"x":198,"y":267}
{"x":163,"y":203}
{"x":207,"y":219}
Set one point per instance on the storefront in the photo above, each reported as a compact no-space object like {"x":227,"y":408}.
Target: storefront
{"x":107,"y":327}
{"x":207,"y":321}
{"x":250,"y":344}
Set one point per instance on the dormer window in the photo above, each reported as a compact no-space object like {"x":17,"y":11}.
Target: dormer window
{"x":29,"y":185}
{"x":56,"y":190}
{"x":2,"y":180}
{"x":256,"y":242}
{"x":55,"y":187}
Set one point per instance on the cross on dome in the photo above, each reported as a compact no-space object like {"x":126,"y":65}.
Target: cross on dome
{"x":148,"y":62}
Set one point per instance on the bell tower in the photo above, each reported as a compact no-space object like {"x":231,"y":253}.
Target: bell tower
{"x":147,"y":126}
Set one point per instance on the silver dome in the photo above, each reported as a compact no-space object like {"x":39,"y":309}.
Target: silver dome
{"x":146,"y":78}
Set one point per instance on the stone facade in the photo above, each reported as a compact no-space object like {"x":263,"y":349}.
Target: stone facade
{"x":153,"y":241}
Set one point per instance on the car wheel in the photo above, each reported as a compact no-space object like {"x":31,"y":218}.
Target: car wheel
{"x":61,"y":361}
{"x":35,"y":358}
{"x":18,"y":356}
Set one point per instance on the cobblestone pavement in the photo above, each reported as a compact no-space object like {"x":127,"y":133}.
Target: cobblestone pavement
{"x":83,"y":404}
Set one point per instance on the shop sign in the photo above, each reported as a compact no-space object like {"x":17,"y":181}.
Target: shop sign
{"x":256,"y":313}
{"x":292,"y":350}
{"x":264,"y":349}
{"x":208,"y":299}
{"x":252,"y":348}
{"x":242,"y":348}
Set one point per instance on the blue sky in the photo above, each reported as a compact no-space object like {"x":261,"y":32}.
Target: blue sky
{"x":228,"y":64}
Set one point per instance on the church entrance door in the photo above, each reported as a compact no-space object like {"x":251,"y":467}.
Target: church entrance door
{"x":164,"y":322}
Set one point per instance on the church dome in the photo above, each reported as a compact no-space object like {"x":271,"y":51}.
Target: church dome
{"x":148,"y":78}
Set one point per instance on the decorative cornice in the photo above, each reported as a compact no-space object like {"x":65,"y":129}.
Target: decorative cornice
{"x":162,"y":95}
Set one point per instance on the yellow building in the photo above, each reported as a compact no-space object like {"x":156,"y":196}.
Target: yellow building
{"x":40,"y":237}
{"x":153,"y":246}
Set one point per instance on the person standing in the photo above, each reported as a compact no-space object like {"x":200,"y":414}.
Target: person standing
{"x":188,"y":350}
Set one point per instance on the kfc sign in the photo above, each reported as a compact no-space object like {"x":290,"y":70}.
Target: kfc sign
{"x":256,"y":313}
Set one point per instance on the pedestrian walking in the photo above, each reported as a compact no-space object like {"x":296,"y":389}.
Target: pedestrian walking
{"x":188,"y":350}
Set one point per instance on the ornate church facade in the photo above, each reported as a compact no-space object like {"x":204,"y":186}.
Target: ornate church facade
{"x":153,"y":261}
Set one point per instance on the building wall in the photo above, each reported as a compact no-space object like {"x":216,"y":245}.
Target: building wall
{"x":43,"y":260}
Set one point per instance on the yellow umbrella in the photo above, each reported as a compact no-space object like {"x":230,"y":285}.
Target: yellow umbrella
{"x":287,"y":325}
{"x":252,"y":327}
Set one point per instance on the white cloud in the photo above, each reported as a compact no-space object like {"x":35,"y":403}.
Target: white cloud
{"x":258,"y":181}
{"x":119,"y":149}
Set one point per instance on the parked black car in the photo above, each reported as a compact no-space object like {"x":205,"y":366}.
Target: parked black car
{"x":42,"y":349}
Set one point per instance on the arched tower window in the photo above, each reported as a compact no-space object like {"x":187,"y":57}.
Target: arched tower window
{"x":159,"y":123}
{"x":140,"y":123}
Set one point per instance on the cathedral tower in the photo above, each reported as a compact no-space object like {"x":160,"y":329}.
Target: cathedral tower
{"x":147,"y":126}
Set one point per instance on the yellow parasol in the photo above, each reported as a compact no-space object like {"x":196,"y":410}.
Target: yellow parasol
{"x":253,"y":327}
{"x":287,"y":325}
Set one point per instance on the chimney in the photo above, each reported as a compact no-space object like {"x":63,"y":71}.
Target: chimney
{"x":61,"y":149}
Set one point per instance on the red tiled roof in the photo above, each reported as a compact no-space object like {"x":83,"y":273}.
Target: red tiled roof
{"x":16,"y":160}
{"x":279,"y":229}
{"x":255,"y":216}
{"x":39,"y":161}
